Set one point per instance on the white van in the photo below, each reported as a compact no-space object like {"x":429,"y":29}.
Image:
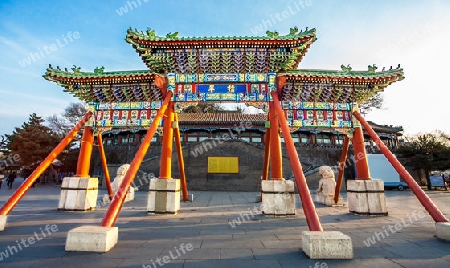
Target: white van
{"x":380,"y":168}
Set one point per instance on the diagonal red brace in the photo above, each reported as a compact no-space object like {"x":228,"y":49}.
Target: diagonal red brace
{"x":116,"y":204}
{"x":428,"y":204}
{"x":341,"y":168}
{"x":181,"y":161}
{"x":104,"y":165}
{"x":19,"y":193}
{"x":307,"y":203}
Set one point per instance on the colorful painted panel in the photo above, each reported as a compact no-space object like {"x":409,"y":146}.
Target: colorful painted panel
{"x":256,"y":78}
{"x":125,"y":114}
{"x":316,"y":105}
{"x":271,"y":78}
{"x":233,"y":92}
{"x":298,"y":114}
{"x":223,"y":92}
{"x":181,"y":97}
{"x":317,"y":114}
{"x":127,"y":105}
{"x":224,"y":88}
{"x":186,"y":78}
{"x":221,"y":78}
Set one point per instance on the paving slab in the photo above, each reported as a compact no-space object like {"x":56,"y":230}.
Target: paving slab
{"x":236,"y":254}
{"x":233,"y":264}
{"x":404,"y":238}
{"x":280,"y":254}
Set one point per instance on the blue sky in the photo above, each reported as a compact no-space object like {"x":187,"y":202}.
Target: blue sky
{"x":90,"y":33}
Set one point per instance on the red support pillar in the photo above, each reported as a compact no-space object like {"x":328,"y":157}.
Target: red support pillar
{"x":426,"y":202}
{"x":165,"y":169}
{"x":265,"y":174}
{"x":307,"y":203}
{"x":19,"y":193}
{"x":281,"y":82}
{"x":116,"y":204}
{"x":104,"y":165}
{"x":341,"y":168}
{"x":84,"y":158}
{"x":180,"y":161}
{"x":276,"y":167}
{"x":362,"y":166}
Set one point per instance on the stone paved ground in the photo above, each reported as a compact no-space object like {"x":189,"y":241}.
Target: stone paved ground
{"x":211,"y":241}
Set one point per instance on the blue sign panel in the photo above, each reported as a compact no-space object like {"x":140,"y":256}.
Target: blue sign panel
{"x":222,"y":88}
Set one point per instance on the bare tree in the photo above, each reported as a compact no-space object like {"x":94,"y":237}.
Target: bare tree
{"x":203,"y":107}
{"x":375,"y":102}
{"x":64,"y":123}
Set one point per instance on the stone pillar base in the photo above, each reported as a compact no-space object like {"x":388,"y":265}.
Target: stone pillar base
{"x":278,"y":198}
{"x":92,"y":238}
{"x":3,"y":219}
{"x":78,"y":194}
{"x":366,"y":197}
{"x":164,"y":196}
{"x":327,"y":245}
{"x":329,"y":200}
{"x":443,"y":230}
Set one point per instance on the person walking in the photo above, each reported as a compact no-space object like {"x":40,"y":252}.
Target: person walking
{"x":2,"y":177}
{"x":11,"y":179}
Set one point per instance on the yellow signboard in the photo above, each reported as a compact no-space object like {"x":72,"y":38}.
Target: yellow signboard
{"x":223,"y":164}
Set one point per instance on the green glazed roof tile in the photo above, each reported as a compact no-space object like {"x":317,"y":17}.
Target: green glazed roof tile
{"x":346,"y":74}
{"x":98,"y":73}
{"x":150,"y":35}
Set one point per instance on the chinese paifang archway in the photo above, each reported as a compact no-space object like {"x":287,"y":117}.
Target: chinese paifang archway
{"x":259,"y":71}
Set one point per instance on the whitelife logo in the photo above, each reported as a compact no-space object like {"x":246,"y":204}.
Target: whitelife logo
{"x":24,"y":243}
{"x":47,"y":50}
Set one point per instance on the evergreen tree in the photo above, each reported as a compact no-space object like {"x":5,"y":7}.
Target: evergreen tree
{"x":32,"y":141}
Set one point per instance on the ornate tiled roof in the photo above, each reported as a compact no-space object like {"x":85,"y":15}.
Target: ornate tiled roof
{"x":209,"y":120}
{"x":221,"y":118}
{"x":239,"y":58}
{"x":151,"y":40}
{"x":100,"y":86}
{"x":386,"y":128}
{"x":235,"y":54}
{"x":98,"y":75}
{"x":396,"y":74}
{"x":241,"y":121}
{"x":341,"y":86}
